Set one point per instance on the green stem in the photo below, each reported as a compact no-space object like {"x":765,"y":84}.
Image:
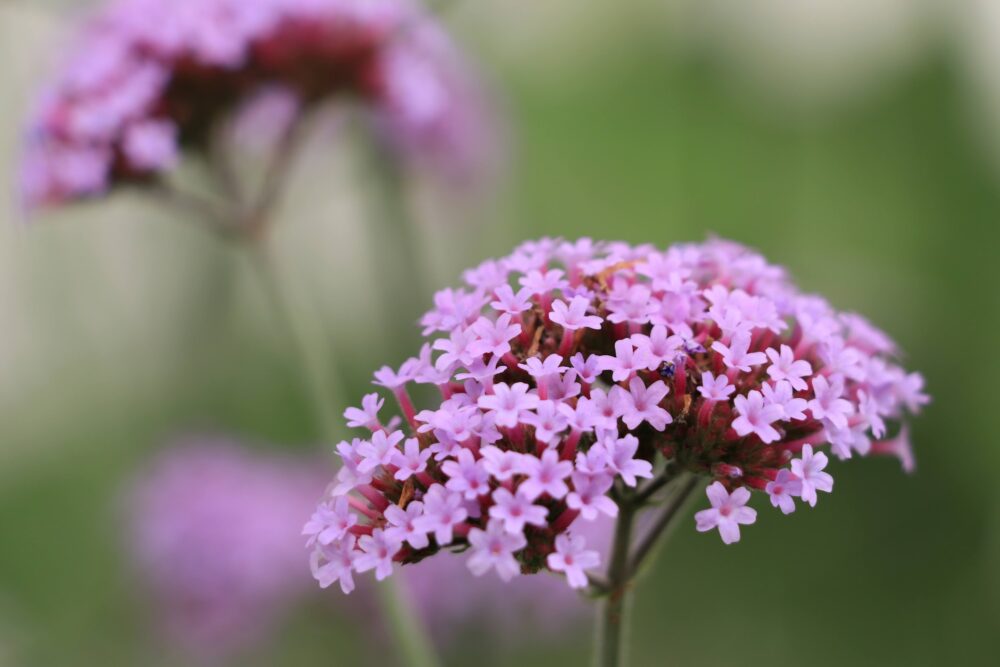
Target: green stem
{"x":610,"y":634}
{"x":610,"y":650}
{"x":398,"y":262}
{"x":662,"y":524}
{"x":315,"y":366}
{"x":250,"y":228}
{"x":412,"y":643}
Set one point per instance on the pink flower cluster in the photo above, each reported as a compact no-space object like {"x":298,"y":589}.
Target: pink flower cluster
{"x":571,"y":371}
{"x":213,"y":534}
{"x":150,"y":78}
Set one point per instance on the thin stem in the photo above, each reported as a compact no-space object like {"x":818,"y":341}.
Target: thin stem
{"x":412,"y":643}
{"x":314,"y":364}
{"x":398,"y":263}
{"x":661,"y":525}
{"x":647,"y":492}
{"x":610,"y":634}
{"x":236,"y":223}
{"x":276,"y":175}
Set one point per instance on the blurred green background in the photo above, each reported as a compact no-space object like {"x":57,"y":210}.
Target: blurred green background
{"x":853,"y":145}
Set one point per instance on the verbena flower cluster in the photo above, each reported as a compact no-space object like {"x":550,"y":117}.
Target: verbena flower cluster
{"x":150,"y":78}
{"x":569,"y":371}
{"x":214,"y":536}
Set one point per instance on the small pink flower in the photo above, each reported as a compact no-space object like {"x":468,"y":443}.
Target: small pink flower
{"x":508,"y":403}
{"x":784,"y":366}
{"x":515,"y":510}
{"x":443,"y":510}
{"x":715,"y":388}
{"x":367,"y":415}
{"x":572,"y":558}
{"x":376,"y":554}
{"x":728,"y":511}
{"x":494,"y":548}
{"x":737,"y":355}
{"x":782,"y":488}
{"x":574,"y":316}
{"x":625,"y":362}
{"x":411,"y":460}
{"x":756,"y":417}
{"x":827,"y":402}
{"x":809,"y":470}
{"x":545,"y":476}
{"x":402,"y":524}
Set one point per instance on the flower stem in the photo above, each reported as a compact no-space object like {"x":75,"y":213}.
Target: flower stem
{"x":660,"y":527}
{"x":398,"y":255}
{"x":625,"y":565}
{"x":412,"y":643}
{"x":249,"y":228}
{"x":610,"y":635}
{"x":315,"y":366}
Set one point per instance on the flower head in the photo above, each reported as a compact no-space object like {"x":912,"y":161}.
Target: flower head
{"x":150,"y":79}
{"x":213,"y":532}
{"x":607,"y":363}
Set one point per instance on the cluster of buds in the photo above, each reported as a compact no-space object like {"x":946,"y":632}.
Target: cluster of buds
{"x":149,"y":79}
{"x":569,"y":372}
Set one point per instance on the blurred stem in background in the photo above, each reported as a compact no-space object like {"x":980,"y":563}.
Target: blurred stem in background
{"x":627,"y":560}
{"x":233,"y":219}
{"x":391,"y":224}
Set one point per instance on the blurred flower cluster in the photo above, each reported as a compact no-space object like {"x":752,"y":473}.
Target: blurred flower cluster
{"x":148,"y":80}
{"x":214,"y":534}
{"x":571,"y":370}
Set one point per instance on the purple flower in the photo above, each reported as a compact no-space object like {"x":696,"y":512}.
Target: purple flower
{"x":376,"y":554}
{"x":736,"y":355}
{"x":620,"y":457}
{"x":809,"y":470}
{"x":641,"y":403}
{"x":782,"y":488}
{"x":626,"y":361}
{"x":508,"y":403}
{"x":728,"y":511}
{"x":548,"y":421}
{"x":784,"y":366}
{"x":493,"y":337}
{"x":572,"y":558}
{"x":515,"y":510}
{"x":367,"y":415}
{"x":443,"y":509}
{"x":510,"y":302}
{"x":493,"y":549}
{"x":213,"y":532}
{"x":467,"y":476}
{"x":589,"y":496}
{"x":147,"y":78}
{"x":402,"y":524}
{"x":545,"y":476}
{"x":755,"y":416}
{"x":715,"y":388}
{"x":720,"y":367}
{"x":411,"y":460}
{"x":380,"y":451}
{"x":587,"y":368}
{"x":336,"y":562}
{"x":827,"y":402}
{"x":574,"y":315}
{"x":329,"y":523}
{"x":780,"y":394}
